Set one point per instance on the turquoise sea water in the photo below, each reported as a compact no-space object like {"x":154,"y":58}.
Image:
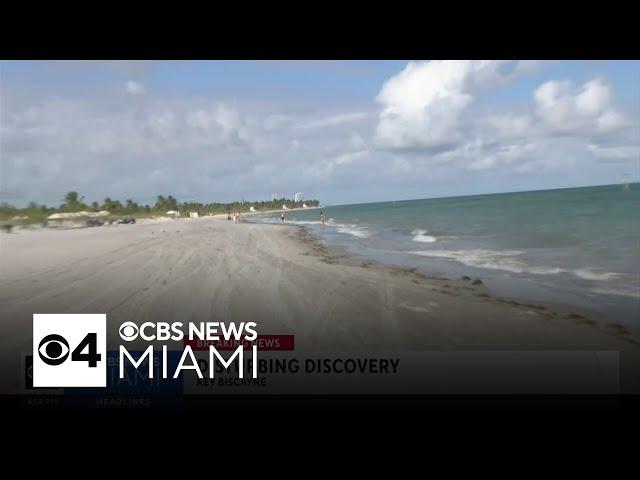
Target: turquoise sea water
{"x":576,"y":246}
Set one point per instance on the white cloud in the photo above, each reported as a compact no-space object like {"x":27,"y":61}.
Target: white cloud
{"x":332,"y":120}
{"x":134,"y":88}
{"x":484,"y":163}
{"x":616,"y":153}
{"x":221,"y":126}
{"x":356,"y":142}
{"x":275,"y":121}
{"x":349,"y":157}
{"x":528,"y":167}
{"x":58,"y":144}
{"x":430,"y":131}
{"x":478,"y":155}
{"x":402,"y":164}
{"x":510,"y":125}
{"x":559,"y":111}
{"x":586,"y":112}
{"x":530,"y":66}
{"x":425,"y":113}
{"x":422,"y":105}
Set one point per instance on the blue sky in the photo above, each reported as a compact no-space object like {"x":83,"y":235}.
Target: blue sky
{"x":338,"y":131}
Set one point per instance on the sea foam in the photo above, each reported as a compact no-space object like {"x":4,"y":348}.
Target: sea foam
{"x":353,"y":230}
{"x":590,"y":274}
{"x":623,"y":292}
{"x":419,"y":235}
{"x":349,"y":229}
{"x":504,"y":260}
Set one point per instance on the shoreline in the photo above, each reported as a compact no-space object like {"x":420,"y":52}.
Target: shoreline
{"x":555,"y":310}
{"x":519,"y":275}
{"x":286,"y":280}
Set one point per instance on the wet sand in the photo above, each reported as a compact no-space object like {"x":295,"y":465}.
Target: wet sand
{"x":211,"y":269}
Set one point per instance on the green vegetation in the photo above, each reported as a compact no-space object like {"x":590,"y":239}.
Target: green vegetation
{"x":73,"y":202}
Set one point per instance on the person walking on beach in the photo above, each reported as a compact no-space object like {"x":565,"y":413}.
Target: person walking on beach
{"x":322,"y":218}
{"x":282,"y":218}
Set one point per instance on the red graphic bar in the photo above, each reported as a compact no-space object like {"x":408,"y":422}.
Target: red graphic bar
{"x":265,"y":343}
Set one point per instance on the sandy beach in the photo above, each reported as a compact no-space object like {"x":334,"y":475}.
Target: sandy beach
{"x":211,"y":269}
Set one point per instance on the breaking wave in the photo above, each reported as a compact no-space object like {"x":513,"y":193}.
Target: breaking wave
{"x":590,"y":274}
{"x":420,"y":235}
{"x":346,"y":228}
{"x":505,"y":260}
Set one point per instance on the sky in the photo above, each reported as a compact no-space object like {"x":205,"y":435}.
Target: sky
{"x":337,"y":131}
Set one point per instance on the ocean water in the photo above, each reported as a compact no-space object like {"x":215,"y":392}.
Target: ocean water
{"x":577,"y":246}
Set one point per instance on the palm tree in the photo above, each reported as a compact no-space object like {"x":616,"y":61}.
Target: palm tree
{"x":161,"y":203}
{"x":71,"y":198}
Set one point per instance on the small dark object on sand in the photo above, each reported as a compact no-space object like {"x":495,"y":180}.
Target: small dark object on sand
{"x":94,"y":222}
{"x":127,"y":219}
{"x":477,"y":281}
{"x":466,"y":278}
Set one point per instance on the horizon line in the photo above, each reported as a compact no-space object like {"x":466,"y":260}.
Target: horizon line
{"x":485,"y":194}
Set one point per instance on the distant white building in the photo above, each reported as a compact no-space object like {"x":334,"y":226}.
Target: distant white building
{"x":304,"y":205}
{"x":193,"y":214}
{"x":252,"y":209}
{"x":284,"y":207}
{"x":298,"y":197}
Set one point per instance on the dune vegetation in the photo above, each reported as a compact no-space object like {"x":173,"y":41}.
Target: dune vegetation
{"x":73,"y":202}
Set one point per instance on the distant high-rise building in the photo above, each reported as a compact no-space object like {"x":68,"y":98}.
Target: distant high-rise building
{"x":274,"y":196}
{"x":298,"y":197}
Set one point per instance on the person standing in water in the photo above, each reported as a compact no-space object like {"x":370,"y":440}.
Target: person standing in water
{"x":322,"y":218}
{"x":282,"y":218}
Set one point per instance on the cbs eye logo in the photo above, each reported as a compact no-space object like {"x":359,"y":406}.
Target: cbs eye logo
{"x":69,"y":350}
{"x":54,"y":350}
{"x":128,"y":331}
